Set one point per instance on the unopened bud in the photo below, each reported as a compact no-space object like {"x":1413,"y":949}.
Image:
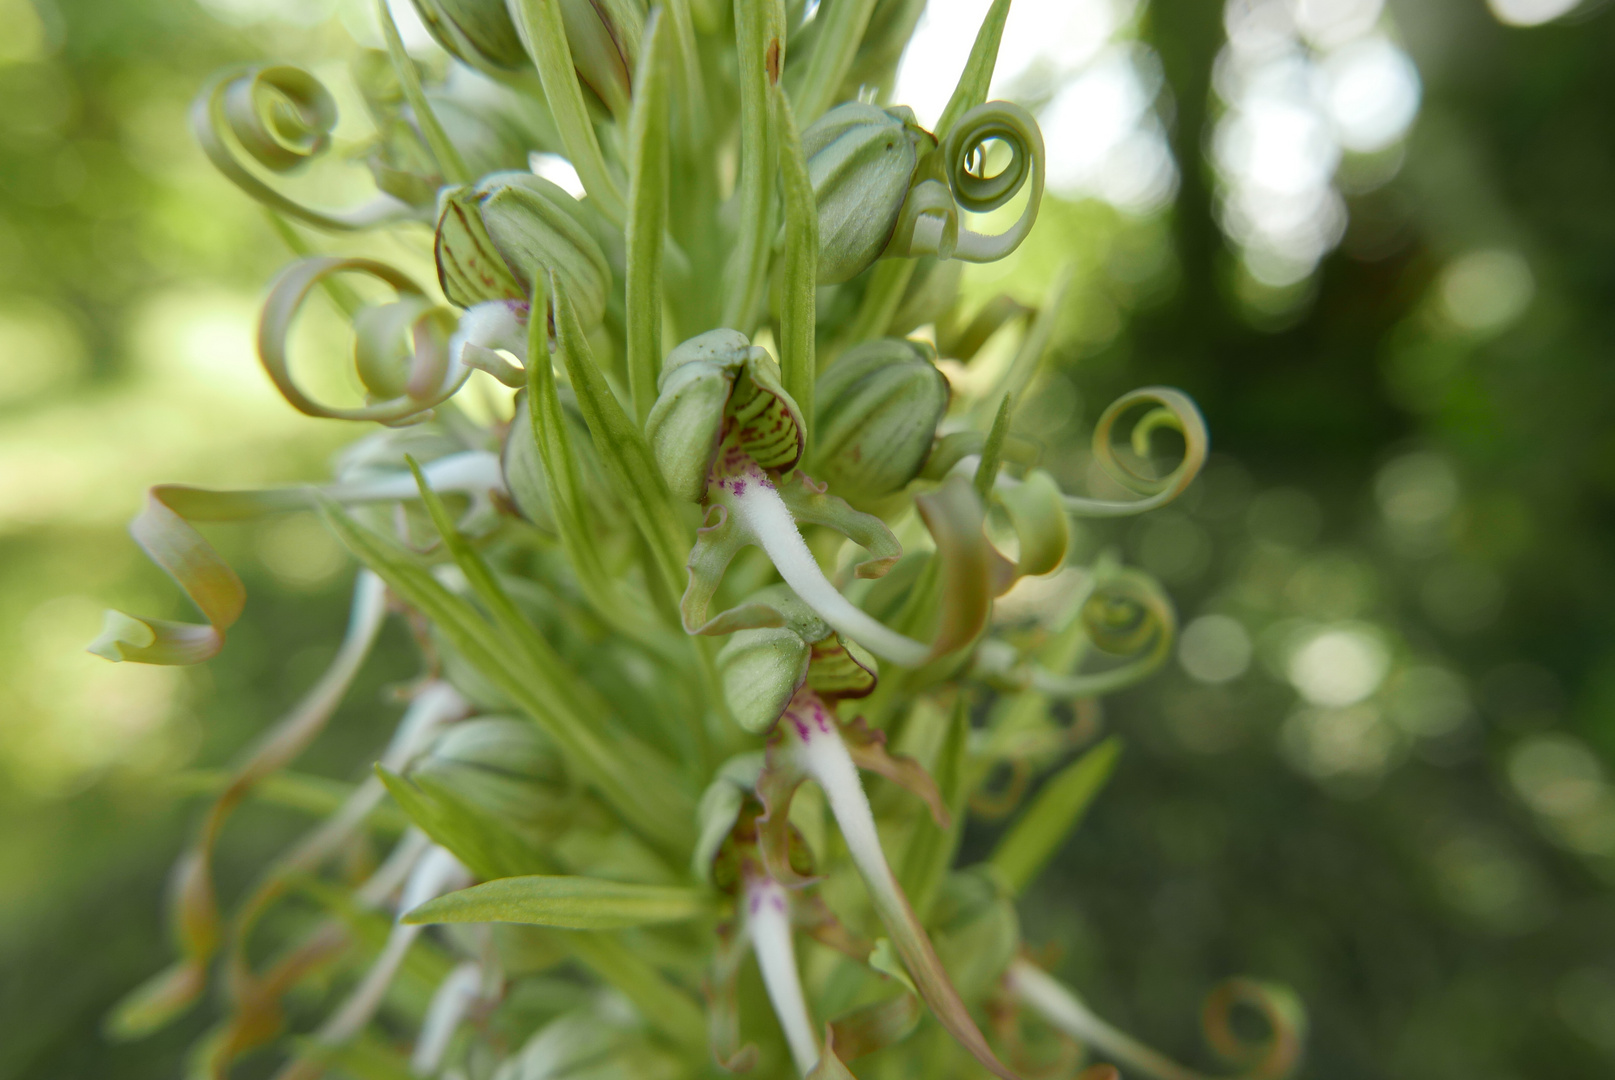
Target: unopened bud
{"x":599,"y":34}
{"x":493,"y":237}
{"x":861,"y":160}
{"x":718,"y":387}
{"x":877,"y":411}
{"x":476,"y":32}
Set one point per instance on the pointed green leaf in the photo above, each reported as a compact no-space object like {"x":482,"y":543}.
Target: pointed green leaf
{"x":648,"y":180}
{"x":544,"y":35}
{"x":1058,"y":808}
{"x":532,"y":676}
{"x":800,"y":283}
{"x":930,"y":851}
{"x":621,"y":445}
{"x":760,"y":44}
{"x":978,"y":73}
{"x":992,"y":451}
{"x":566,"y":903}
{"x":834,"y":46}
{"x":475,"y":837}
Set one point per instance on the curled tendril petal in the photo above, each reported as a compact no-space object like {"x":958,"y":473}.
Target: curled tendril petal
{"x":952,"y":182}
{"x":1039,"y":519}
{"x":434,"y":375}
{"x":199,"y":571}
{"x":164,"y":531}
{"x":280,"y":117}
{"x":1125,"y":614}
{"x":1269,"y":1059}
{"x":1174,"y":411}
{"x":868,"y":750}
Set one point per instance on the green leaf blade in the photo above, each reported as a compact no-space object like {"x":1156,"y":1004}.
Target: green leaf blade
{"x":1034,"y":838}
{"x":564,"y":903}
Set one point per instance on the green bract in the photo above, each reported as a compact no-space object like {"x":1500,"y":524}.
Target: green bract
{"x":594,"y":817}
{"x":496,"y":238}
{"x":876,"y":414}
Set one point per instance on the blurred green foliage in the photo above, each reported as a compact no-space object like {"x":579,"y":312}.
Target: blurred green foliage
{"x":1408,"y":487}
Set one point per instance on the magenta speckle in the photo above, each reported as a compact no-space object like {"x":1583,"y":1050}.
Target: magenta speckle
{"x":802,"y":731}
{"x":777,"y":901}
{"x":756,"y":902}
{"x":738,"y":487}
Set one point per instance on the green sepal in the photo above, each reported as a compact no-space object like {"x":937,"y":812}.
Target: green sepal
{"x":719,"y":809}
{"x":761,"y":670}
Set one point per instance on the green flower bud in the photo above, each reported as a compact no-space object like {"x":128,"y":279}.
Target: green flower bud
{"x":877,"y":410}
{"x":489,"y":124}
{"x":476,"y":32}
{"x":603,"y":36}
{"x":861,"y":160}
{"x":502,"y":765}
{"x":523,"y":471}
{"x":718,"y":387}
{"x":493,"y":237}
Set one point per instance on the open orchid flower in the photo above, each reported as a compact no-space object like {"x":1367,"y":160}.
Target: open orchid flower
{"x":724,"y":431}
{"x":810,"y":743}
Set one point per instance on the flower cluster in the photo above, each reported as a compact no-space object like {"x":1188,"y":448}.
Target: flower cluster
{"x":671,"y":604}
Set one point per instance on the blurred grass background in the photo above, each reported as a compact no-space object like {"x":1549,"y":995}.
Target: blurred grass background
{"x":1379,"y":769}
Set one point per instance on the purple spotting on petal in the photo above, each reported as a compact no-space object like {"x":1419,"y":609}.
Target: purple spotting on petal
{"x":738,"y":487}
{"x":802,"y":731}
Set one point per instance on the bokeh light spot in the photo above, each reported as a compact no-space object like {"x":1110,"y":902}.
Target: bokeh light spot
{"x":1339,"y":666}
{"x":1215,"y":649}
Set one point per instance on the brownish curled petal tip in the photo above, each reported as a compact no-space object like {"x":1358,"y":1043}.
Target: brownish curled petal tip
{"x":772,"y":61}
{"x":868,"y":750}
{"x":1269,"y":1058}
{"x":830,"y":1066}
{"x":874,"y":1027}
{"x":954,"y":515}
{"x":1100,"y":1072}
